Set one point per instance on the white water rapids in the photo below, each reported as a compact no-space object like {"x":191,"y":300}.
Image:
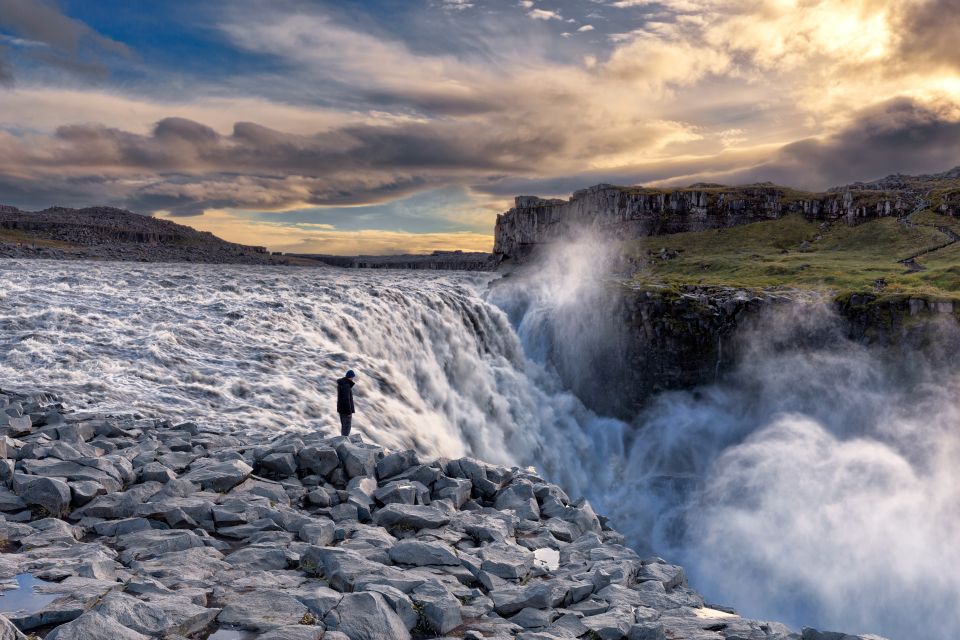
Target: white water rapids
{"x":818,"y":485}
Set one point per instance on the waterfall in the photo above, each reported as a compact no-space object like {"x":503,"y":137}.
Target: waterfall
{"x":815,"y":483}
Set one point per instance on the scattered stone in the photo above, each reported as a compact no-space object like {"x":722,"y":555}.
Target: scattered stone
{"x":350,"y":543}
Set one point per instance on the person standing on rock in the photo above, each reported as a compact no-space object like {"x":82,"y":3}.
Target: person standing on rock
{"x":345,"y":402}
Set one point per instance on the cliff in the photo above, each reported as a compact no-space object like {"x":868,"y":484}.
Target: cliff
{"x":106,"y":233}
{"x":134,"y":527}
{"x":634,"y":212}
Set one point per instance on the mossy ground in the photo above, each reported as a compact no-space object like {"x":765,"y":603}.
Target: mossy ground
{"x":793,"y":252}
{"x":12,"y":236}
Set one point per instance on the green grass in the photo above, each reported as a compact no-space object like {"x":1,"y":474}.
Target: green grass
{"x":787,"y":253}
{"x":11,"y":236}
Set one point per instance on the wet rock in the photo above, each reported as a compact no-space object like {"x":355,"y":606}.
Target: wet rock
{"x":398,"y":492}
{"x":57,"y":612}
{"x":456,"y":490}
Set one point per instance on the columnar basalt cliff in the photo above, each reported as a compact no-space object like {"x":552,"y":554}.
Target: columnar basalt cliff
{"x":627,"y":212}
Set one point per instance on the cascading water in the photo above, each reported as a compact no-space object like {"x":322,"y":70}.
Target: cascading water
{"x":815,"y":483}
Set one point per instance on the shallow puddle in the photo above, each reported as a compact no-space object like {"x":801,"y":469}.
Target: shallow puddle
{"x":231,"y":634}
{"x":25,"y":597}
{"x":549,"y":559}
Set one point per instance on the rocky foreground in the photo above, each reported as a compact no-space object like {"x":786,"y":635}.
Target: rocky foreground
{"x":145,"y":529}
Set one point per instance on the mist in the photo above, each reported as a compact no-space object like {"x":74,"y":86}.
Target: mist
{"x":814,"y":483}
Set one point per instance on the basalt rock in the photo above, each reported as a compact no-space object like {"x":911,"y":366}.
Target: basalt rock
{"x":633,"y":212}
{"x":202,"y":545}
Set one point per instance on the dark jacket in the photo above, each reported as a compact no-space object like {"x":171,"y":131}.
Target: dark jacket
{"x":345,"y":395}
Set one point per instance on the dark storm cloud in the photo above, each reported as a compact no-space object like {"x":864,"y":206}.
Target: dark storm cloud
{"x":930,"y":33}
{"x":178,"y":143}
{"x":186,"y":167}
{"x":898,"y":136}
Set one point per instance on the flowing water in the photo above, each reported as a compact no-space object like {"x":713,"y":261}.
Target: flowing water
{"x":815,"y":485}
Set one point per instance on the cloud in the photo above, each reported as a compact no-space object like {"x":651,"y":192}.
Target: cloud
{"x":54,"y":38}
{"x":353,"y":109}
{"x":901,"y":135}
{"x":544,"y":14}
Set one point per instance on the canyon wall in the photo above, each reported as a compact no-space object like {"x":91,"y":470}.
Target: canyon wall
{"x":626,"y":212}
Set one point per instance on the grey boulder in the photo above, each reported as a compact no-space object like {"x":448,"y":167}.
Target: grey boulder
{"x":421,"y":554}
{"x":221,"y":476}
{"x":410,"y":516}
{"x":94,"y":626}
{"x":366,"y":616}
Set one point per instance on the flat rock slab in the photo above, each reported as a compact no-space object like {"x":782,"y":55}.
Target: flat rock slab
{"x":262,"y":611}
{"x":220,"y":477}
{"x":421,"y":554}
{"x":410,"y":516}
{"x":94,"y":626}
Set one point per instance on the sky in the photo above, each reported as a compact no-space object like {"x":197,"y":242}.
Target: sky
{"x":390,"y":126}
